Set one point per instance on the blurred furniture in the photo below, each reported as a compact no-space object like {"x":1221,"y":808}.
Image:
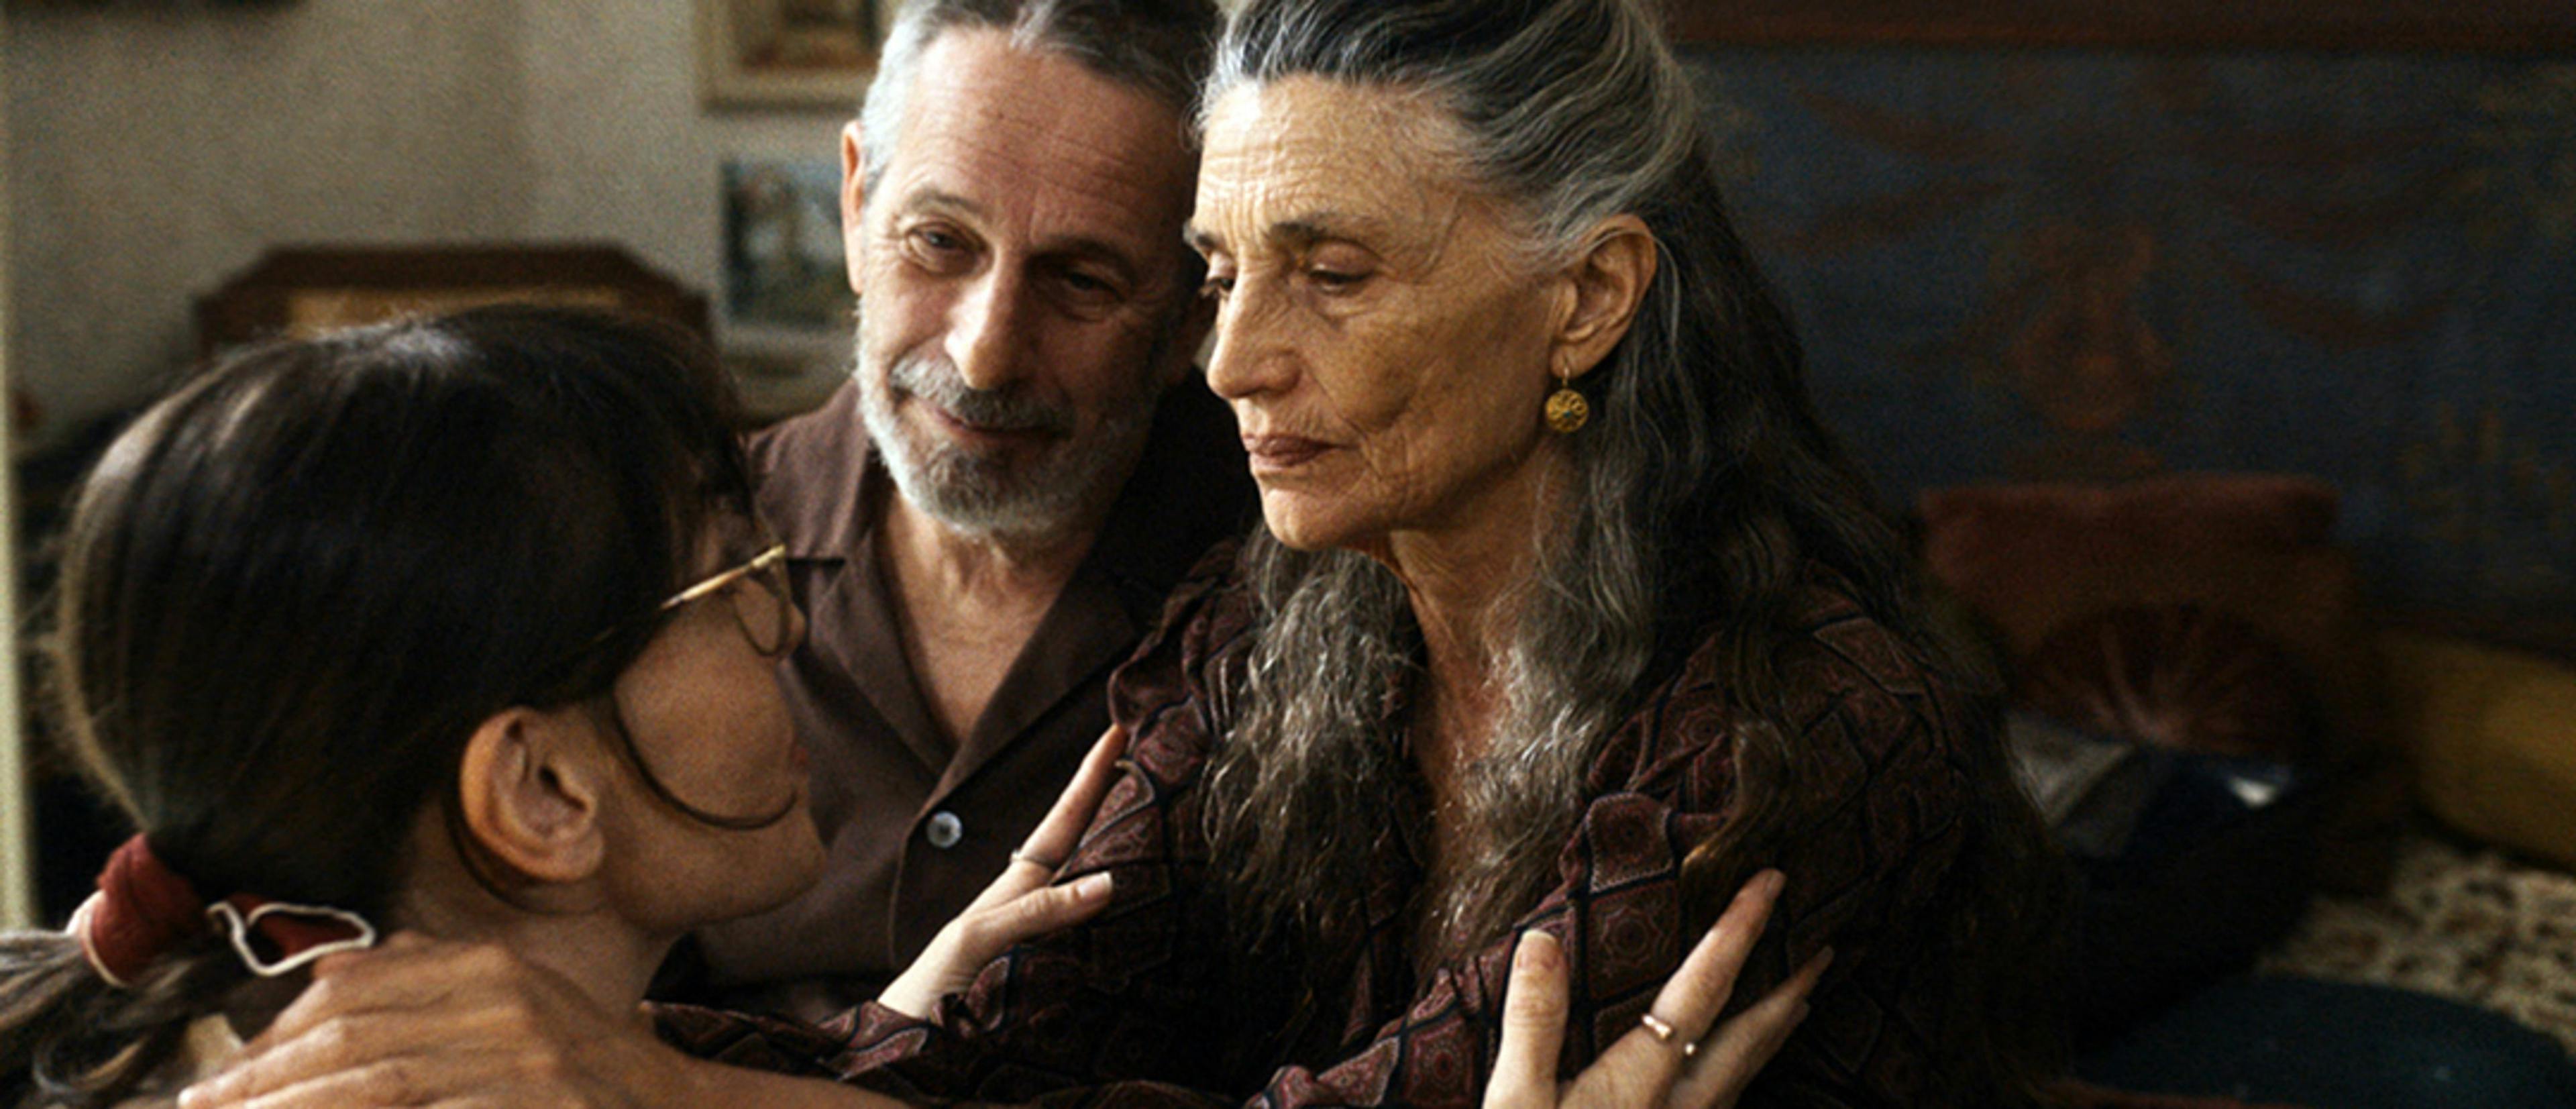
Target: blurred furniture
{"x":299,"y":291}
{"x":2219,"y":726}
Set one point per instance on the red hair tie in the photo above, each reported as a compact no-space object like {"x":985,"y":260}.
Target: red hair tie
{"x":143,"y":909}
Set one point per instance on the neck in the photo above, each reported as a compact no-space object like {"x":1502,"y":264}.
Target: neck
{"x":570,"y":932}
{"x":1461,"y":579}
{"x":982,"y":569}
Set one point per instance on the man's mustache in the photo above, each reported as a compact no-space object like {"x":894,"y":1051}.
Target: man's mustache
{"x":931,"y":378}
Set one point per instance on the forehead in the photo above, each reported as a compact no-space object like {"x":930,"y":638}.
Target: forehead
{"x":1034,"y":140}
{"x":1304,"y":154}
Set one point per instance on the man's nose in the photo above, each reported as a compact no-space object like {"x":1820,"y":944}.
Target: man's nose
{"x":987,"y":339}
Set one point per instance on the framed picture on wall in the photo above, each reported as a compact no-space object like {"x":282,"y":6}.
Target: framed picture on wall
{"x":788,"y":53}
{"x":788,"y":309}
{"x":782,"y":247}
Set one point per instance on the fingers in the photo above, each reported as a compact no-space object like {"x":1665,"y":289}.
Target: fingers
{"x":1533,"y":1027}
{"x":1698,"y":991}
{"x":1061,"y":831}
{"x":345,"y":1060}
{"x":371,"y":1012}
{"x":1740,"y":1048}
{"x":1645,"y":1066}
{"x":406,"y":973}
{"x":994,"y":930}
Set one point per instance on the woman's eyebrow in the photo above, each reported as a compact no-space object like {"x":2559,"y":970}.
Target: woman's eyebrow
{"x":1303,"y":230}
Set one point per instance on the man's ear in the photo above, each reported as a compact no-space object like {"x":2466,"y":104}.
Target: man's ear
{"x":1604,"y":284}
{"x":531,"y":785}
{"x":854,"y":204}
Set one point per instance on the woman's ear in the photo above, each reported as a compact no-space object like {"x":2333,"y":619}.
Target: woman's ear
{"x":1604,"y":284}
{"x":531,"y":788}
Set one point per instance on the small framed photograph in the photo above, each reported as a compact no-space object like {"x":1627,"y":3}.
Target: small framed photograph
{"x":788,"y":310}
{"x":783,"y":269}
{"x":814,"y":54}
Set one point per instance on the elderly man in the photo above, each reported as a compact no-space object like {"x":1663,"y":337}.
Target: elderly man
{"x":985,"y":521}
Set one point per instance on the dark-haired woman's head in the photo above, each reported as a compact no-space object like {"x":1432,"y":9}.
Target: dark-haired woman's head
{"x":386,"y":621}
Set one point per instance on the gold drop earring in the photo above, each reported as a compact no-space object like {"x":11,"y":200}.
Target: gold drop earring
{"x":1567,"y":411}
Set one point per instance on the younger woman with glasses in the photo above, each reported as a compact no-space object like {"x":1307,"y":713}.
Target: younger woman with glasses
{"x":462,"y":625}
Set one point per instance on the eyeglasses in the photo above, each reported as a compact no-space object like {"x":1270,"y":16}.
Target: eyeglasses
{"x":766,"y":615}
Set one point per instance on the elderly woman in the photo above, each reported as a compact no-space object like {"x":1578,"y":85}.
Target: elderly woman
{"x":1567,"y":616}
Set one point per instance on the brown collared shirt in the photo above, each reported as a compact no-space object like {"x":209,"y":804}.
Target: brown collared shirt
{"x":914,"y":824}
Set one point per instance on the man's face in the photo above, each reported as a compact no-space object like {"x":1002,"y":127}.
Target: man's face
{"x":1019,"y":267}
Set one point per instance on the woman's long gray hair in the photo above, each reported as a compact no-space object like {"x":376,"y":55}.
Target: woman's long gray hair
{"x":1701,"y":491}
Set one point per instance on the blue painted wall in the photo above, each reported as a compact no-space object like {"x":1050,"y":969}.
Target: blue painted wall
{"x":2090,"y":265}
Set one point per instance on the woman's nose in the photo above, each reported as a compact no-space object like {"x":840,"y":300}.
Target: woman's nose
{"x":1250,"y":355}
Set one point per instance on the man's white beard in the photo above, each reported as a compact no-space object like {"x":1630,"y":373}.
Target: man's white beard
{"x":1026,"y":498}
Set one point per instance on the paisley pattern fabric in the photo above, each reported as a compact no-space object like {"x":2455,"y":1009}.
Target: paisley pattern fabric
{"x":1151,"y":1004}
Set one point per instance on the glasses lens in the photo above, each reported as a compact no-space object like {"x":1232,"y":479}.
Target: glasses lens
{"x":761,"y":606}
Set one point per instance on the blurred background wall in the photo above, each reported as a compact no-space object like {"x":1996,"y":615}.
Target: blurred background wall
{"x":159,"y":149}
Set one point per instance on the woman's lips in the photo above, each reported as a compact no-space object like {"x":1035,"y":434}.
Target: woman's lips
{"x":1273,"y":454}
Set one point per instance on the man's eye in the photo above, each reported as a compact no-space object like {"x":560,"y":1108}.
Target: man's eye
{"x":1335,"y":281}
{"x":1218,"y":287}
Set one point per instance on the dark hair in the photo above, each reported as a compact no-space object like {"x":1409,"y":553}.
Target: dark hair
{"x":294,"y":587}
{"x":1705,"y":487}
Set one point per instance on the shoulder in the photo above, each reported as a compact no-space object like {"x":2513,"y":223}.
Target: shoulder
{"x":1845,"y":688}
{"x":1162,"y":693}
{"x":808,"y":471}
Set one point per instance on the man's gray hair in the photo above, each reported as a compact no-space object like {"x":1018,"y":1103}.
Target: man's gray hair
{"x":1161,"y":48}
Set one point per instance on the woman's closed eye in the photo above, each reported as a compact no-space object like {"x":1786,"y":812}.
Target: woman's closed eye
{"x":1336,"y":281}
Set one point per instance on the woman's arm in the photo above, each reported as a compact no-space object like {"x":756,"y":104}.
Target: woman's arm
{"x":417,"y":1022}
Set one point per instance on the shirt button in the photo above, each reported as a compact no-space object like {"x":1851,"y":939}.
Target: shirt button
{"x":944,"y":830}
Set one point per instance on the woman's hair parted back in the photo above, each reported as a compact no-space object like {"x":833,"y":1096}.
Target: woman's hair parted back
{"x":294,"y":587}
{"x":1704,"y":487}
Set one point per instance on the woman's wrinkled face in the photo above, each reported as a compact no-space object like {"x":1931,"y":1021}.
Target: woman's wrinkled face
{"x":1381,"y":334}
{"x":709,"y":723}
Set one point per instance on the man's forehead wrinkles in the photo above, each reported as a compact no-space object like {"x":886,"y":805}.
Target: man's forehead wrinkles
{"x":1048,"y":148}
{"x":1054,"y":212}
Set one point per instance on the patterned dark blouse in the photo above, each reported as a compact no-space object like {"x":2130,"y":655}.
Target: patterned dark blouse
{"x":1149,"y":1004}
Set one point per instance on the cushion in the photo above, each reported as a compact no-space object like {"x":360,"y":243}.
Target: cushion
{"x":2185,"y":677}
{"x":2492,"y":734}
{"x":2034,"y":559}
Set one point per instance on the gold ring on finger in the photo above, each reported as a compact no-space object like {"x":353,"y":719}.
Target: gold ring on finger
{"x":1663,"y":1031}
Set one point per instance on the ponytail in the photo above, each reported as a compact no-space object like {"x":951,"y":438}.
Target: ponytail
{"x":70,"y":1038}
